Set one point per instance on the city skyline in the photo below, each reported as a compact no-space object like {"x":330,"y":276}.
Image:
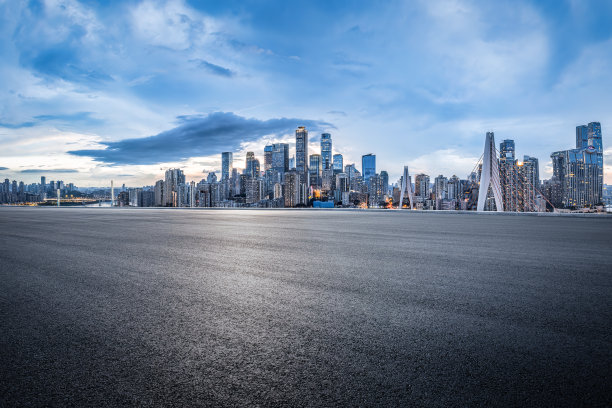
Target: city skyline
{"x":96,"y":92}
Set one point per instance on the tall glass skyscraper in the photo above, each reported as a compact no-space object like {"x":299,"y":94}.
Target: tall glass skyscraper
{"x":368,"y":166}
{"x":582,"y":137}
{"x":338,"y":164}
{"x":315,"y":169}
{"x":280,"y":157}
{"x":326,"y":151}
{"x":301,"y":152}
{"x":580,"y":171}
{"x":268,"y":157}
{"x":227,"y":160}
{"x":594,"y":136}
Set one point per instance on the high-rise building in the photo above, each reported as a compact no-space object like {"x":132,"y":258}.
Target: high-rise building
{"x":441,"y":187}
{"x":211,"y":178}
{"x":368,"y":166}
{"x":326,"y":151}
{"x":509,"y":176}
{"x":268,"y":157}
{"x":280,"y":157}
{"x":291,"y":188}
{"x":227,"y":160}
{"x":174,"y":180}
{"x":301,"y":152}
{"x":315,"y":169}
{"x":421,"y":186}
{"x":338,"y":164}
{"x":582,"y":137}
{"x":158,"y":200}
{"x":579,"y":172}
{"x":594,"y":136}
{"x":249,"y":165}
{"x":385,"y":181}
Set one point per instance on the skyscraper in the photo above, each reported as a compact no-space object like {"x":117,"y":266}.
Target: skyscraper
{"x":174,"y":180}
{"x":385,"y":181}
{"x":421,"y":186}
{"x":509,"y":176}
{"x":368,"y":166}
{"x":594,"y":136}
{"x":268,"y":151}
{"x":280,"y":157}
{"x":227,"y":160}
{"x":314,"y":169}
{"x":326,"y":151}
{"x":301,"y":152}
{"x":249,"y":170}
{"x":338,"y":164}
{"x":580,"y":171}
{"x":582,"y":137}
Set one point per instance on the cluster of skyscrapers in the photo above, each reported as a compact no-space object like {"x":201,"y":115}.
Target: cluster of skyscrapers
{"x":322,"y":179}
{"x":15,"y":193}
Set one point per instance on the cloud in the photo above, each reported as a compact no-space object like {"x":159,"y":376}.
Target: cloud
{"x":36,"y":171}
{"x":17,"y":125}
{"x":216,"y":69}
{"x":4,"y":168}
{"x":196,"y":137}
{"x":337,"y":112}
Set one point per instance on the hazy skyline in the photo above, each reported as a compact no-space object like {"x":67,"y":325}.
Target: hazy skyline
{"x":123,"y":90}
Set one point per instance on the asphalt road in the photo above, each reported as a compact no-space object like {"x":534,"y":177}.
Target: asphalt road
{"x":153,"y":307}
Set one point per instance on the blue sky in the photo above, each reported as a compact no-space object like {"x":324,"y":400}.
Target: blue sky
{"x":124,"y":90}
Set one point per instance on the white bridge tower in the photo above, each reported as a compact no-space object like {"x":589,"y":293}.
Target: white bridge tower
{"x":406,"y":189}
{"x":490,"y":176}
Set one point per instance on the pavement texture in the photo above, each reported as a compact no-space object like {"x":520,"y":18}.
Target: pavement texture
{"x":154,"y":307}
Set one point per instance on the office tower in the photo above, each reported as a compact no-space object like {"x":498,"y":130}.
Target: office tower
{"x":375,"y":190}
{"x":338,"y":164}
{"x":509,"y":176}
{"x":594,"y":136}
{"x":292,"y":163}
{"x":314,"y":169}
{"x":254,"y":191}
{"x":291,"y":188}
{"x":421,"y":186}
{"x":268,"y":157}
{"x":441,"y":187}
{"x":529,"y":184}
{"x":174,"y":179}
{"x":453,"y":188}
{"x":579,"y":171}
{"x":301,"y":153}
{"x":582,"y":137}
{"x":211,"y":178}
{"x":278,"y":191}
{"x":43,"y":181}
{"x":327,"y":180}
{"x":280,"y":157}
{"x":159,"y":193}
{"x":368,"y":166}
{"x":227,"y":163}
{"x":249,"y":168}
{"x":385,"y":181}
{"x":326,"y":151}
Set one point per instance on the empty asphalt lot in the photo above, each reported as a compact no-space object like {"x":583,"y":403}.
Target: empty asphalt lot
{"x":154,"y":307}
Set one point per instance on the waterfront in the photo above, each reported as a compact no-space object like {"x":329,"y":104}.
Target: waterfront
{"x":246,"y":307}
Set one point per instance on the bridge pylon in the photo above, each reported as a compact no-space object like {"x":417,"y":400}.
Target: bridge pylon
{"x":406,"y":189}
{"x":489,"y":177}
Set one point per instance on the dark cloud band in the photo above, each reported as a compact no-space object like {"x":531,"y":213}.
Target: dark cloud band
{"x":196,"y":136}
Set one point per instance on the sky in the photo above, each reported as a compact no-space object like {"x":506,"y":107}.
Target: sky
{"x":94,"y":91}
